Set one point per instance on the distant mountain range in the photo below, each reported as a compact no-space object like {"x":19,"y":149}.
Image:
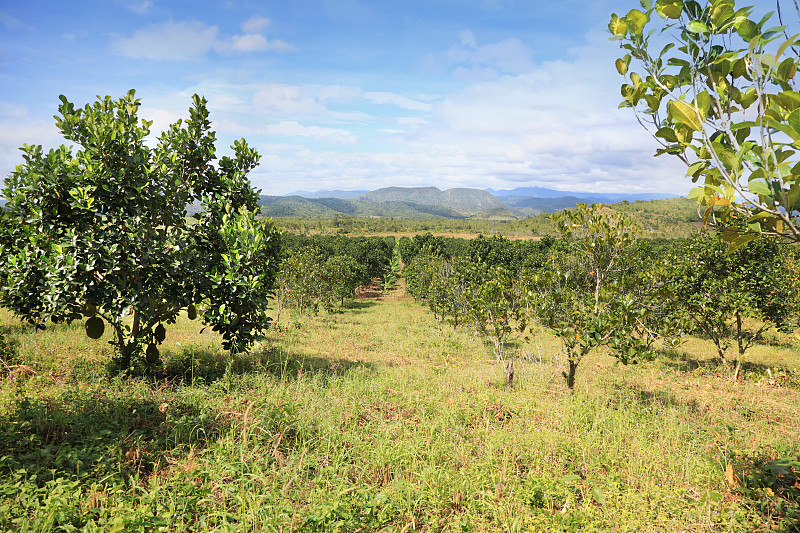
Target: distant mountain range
{"x":431,"y":202}
{"x":344,"y":195}
{"x":540,"y":192}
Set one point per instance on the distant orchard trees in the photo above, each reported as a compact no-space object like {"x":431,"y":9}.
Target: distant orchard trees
{"x":599,"y":286}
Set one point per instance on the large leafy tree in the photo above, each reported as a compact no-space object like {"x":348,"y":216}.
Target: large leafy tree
{"x":715,"y":85}
{"x":100,"y":229}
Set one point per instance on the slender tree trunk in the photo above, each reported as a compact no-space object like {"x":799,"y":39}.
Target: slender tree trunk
{"x":573,"y":367}
{"x":737,"y":373}
{"x":509,"y":373}
{"x":125,"y":346}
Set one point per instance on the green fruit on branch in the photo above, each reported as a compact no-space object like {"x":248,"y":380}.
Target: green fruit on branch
{"x":160,"y":333}
{"x":95,"y":327}
{"x":151,"y":355}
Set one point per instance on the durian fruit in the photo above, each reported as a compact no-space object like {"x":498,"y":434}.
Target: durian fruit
{"x":160,"y":333}
{"x":151,"y":354}
{"x":191,"y":312}
{"x":95,"y":327}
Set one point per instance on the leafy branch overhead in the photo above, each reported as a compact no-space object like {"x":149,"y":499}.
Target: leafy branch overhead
{"x":715,"y":86}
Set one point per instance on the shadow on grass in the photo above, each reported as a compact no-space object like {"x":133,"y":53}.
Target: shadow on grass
{"x":191,"y":366}
{"x":683,"y":362}
{"x":92,"y":435}
{"x":651,"y":400}
{"x":358,"y":306}
{"x":126,"y":429}
{"x":770,"y":487}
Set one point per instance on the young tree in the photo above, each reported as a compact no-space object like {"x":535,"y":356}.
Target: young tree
{"x":298,"y":280}
{"x":582,"y":295}
{"x":494,"y":302}
{"x":103,"y":232}
{"x":736,"y":296}
{"x":340,"y":275}
{"x":716,"y":88}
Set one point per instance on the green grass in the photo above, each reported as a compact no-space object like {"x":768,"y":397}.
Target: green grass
{"x":379,"y":418}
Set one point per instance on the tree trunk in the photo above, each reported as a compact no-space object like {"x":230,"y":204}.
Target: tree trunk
{"x":125,"y":347}
{"x":737,"y":373}
{"x":573,"y":367}
{"x":509,"y":373}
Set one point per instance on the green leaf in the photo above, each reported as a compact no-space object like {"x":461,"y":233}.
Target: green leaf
{"x":790,"y":41}
{"x":787,"y":69}
{"x":696,"y":168}
{"x":759,"y":186}
{"x":683,"y":113}
{"x":668,"y":134}
{"x":697,"y":26}
{"x":697,"y":193}
{"x":636,"y":21}
{"x":794,"y":120}
{"x":739,"y":68}
{"x":622,"y":65}
{"x":740,"y":241}
{"x":617,"y":26}
{"x":599,"y":496}
{"x":703,"y":102}
{"x":669,"y":9}
{"x":788,"y":100}
{"x":747,"y":30}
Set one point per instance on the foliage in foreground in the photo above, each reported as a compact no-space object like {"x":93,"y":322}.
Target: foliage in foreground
{"x":103,"y":233}
{"x":721,"y":96}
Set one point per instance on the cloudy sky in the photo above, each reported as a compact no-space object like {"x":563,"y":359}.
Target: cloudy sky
{"x":350,"y":94}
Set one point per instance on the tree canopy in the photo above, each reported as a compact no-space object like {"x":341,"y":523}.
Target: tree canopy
{"x":100,"y":230}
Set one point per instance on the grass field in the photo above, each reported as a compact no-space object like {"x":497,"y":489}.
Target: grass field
{"x":379,"y":418}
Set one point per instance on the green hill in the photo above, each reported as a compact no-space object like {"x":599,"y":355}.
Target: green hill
{"x":468,"y":202}
{"x":666,"y":217}
{"x":297,"y":207}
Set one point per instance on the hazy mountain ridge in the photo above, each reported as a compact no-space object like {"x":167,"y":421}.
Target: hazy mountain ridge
{"x":463,"y":200}
{"x":337,"y":193}
{"x":298,"y":207}
{"x":541,"y":192}
{"x":431,"y":202}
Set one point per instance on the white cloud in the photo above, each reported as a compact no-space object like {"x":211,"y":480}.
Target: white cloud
{"x":316,"y":133}
{"x":169,"y":41}
{"x":339,"y":103}
{"x":252,"y":42}
{"x":9,"y":22}
{"x":468,"y":39}
{"x":411,"y":121}
{"x":337,"y":93}
{"x":398,"y":100}
{"x":17,"y":127}
{"x":255,"y":24}
{"x":141,"y":7}
{"x":188,"y":40}
{"x":555,"y":125}
{"x":471,"y":62}
{"x":162,"y":119}
{"x":287,"y":100}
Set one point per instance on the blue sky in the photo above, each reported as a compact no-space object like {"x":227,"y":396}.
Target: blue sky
{"x":350,"y":94}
